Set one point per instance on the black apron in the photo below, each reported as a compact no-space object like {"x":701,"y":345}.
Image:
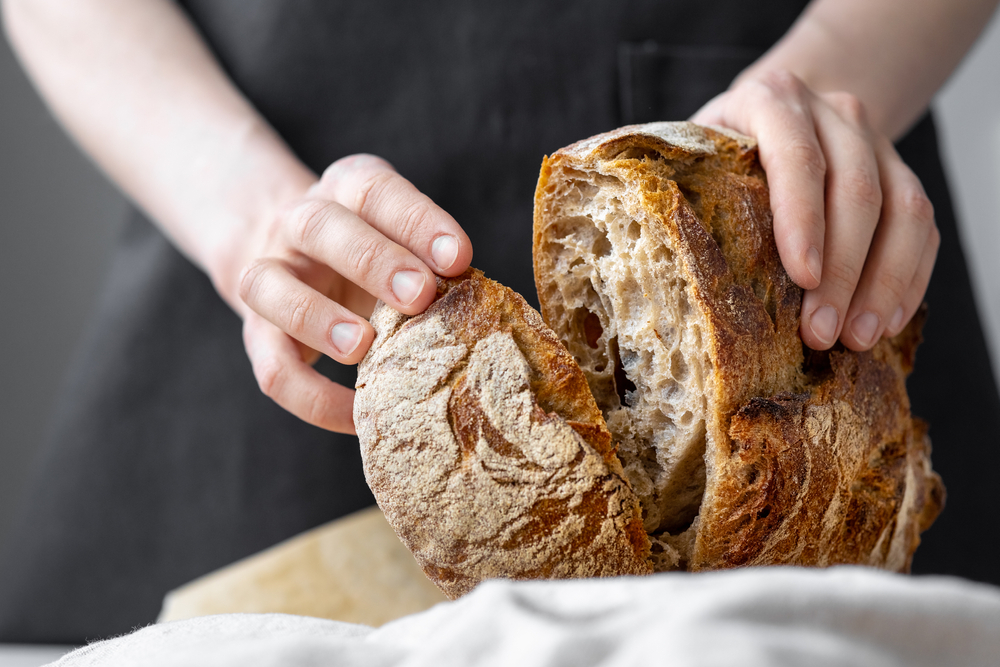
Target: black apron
{"x":164,"y":460}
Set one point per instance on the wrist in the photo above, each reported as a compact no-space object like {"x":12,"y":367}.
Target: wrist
{"x":264,"y":179}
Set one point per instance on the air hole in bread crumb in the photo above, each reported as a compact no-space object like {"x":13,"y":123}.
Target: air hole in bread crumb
{"x":602,"y":246}
{"x":764,"y":512}
{"x":634,"y":231}
{"x":638,"y":153}
{"x":692,"y":196}
{"x":687,"y":418}
{"x":662,"y":253}
{"x":678,"y":367}
{"x":623,"y":385}
{"x":592,"y":329}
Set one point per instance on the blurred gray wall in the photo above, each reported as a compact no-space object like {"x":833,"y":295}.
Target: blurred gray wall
{"x":59,"y":219}
{"x":969,"y":120}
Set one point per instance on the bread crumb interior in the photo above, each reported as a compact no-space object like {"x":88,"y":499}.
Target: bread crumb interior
{"x":621,"y":299}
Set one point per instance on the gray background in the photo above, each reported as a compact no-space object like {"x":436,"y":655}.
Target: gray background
{"x":59,"y":218}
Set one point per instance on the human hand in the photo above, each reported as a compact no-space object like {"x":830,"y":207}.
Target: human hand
{"x":313,"y":273}
{"x":852,"y":223}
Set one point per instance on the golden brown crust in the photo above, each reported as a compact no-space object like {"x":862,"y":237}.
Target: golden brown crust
{"x":825,"y":478}
{"x":483,"y":438}
{"x":811,"y":460}
{"x":484,"y":447}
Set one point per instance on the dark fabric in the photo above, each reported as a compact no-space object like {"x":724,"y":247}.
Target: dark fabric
{"x":166,"y":462}
{"x":464,"y":98}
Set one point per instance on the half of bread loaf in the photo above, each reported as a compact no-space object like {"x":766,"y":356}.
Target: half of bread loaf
{"x":484,"y":447}
{"x":656,"y":265}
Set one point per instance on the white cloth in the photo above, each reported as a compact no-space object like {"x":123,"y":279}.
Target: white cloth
{"x":772,"y":616}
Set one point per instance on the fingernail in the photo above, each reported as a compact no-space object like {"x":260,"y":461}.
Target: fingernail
{"x":824,"y":324}
{"x":346,"y":337}
{"x":444,"y":250}
{"x":814,"y":263}
{"x":407,"y":286}
{"x":864,"y":327}
{"x":897,"y":320}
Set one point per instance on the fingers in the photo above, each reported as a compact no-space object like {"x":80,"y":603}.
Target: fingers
{"x":853,"y":206}
{"x":370,"y":188}
{"x":900,"y":260}
{"x":335,"y":237}
{"x":841,"y":194}
{"x":375,"y":229}
{"x":776,"y":109}
{"x":921,"y":279}
{"x":362,"y":225}
{"x":274,"y":293}
{"x":293,"y":384}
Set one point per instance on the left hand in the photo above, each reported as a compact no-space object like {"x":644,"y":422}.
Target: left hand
{"x":852,"y":223}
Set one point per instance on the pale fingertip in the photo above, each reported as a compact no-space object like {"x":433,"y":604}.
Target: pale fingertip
{"x":823,"y":323}
{"x":407,"y":286}
{"x":346,"y":336}
{"x":814,"y":264}
{"x":444,"y":251}
{"x":896,"y":323}
{"x":864,"y":328}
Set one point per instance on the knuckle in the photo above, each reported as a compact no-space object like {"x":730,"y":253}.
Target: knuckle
{"x":413,"y":218}
{"x":361,"y":255}
{"x":894,"y":284}
{"x":250,"y":278}
{"x":849,"y":106}
{"x":842,"y":276}
{"x":807,"y":156}
{"x":915,"y":205}
{"x":863,"y":188}
{"x":934,"y":239}
{"x":306,"y":222}
{"x":295,"y":313}
{"x":319,"y":406}
{"x":783,"y":83}
{"x":371,"y":190}
{"x":350,"y":165}
{"x":270,"y":376}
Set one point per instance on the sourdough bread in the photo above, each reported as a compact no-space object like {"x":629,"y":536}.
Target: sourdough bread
{"x":484,"y":447}
{"x":679,"y":425}
{"x":656,"y":265}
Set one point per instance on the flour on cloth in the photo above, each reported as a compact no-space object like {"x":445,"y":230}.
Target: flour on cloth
{"x":754,"y":617}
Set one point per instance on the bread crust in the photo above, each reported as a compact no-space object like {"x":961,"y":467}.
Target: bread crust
{"x":682,"y":427}
{"x":484,"y":447}
{"x":837,"y":475}
{"x":807,"y":463}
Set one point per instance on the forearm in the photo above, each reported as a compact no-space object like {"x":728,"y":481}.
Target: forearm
{"x":892,"y":54}
{"x":134,"y":84}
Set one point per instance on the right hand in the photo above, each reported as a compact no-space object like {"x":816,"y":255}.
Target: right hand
{"x":852,"y":222}
{"x":311,"y":277}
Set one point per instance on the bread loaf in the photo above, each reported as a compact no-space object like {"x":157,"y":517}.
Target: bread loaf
{"x":677,"y":426}
{"x":484,"y":447}
{"x":656,"y":265}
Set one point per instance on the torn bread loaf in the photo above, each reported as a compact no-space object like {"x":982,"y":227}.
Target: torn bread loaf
{"x":684,"y":429}
{"x":484,"y":447}
{"x":656,"y":265}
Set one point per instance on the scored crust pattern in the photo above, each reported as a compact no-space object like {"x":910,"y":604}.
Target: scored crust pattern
{"x":485,"y":449}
